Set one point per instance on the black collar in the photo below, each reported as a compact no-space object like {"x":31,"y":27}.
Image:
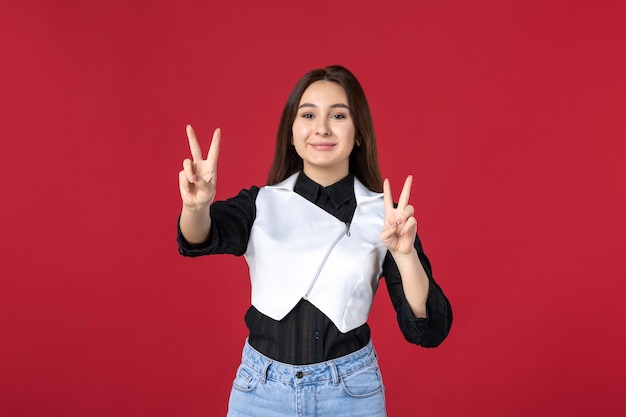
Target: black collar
{"x":340,"y":192}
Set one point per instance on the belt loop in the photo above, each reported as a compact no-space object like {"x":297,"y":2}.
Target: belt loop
{"x":266,"y":367}
{"x":334,"y":372}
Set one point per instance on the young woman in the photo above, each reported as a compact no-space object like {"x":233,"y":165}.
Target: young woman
{"x":317,"y":238}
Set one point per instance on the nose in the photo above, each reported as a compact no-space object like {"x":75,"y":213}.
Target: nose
{"x":322,"y":129}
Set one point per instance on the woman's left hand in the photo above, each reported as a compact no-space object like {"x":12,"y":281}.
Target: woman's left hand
{"x":399,"y":229}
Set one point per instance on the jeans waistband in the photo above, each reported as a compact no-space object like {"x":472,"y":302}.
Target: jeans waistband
{"x":334,"y":369}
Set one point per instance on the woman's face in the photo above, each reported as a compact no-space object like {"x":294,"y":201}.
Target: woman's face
{"x":323,"y":132}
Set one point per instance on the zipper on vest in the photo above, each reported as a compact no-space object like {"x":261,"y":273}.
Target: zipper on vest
{"x":345,"y":232}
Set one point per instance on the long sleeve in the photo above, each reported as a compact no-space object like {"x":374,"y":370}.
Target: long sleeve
{"x":429,"y":331}
{"x":231,"y":222}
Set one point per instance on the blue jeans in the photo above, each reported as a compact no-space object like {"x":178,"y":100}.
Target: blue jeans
{"x":349,"y":386}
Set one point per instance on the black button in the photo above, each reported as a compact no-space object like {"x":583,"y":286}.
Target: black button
{"x":299,"y":374}
{"x":316,"y":335}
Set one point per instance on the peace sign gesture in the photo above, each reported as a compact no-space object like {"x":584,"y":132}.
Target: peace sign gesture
{"x":398,"y":233}
{"x":198,"y":178}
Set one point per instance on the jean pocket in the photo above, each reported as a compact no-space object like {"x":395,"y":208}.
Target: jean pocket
{"x":246,"y":379}
{"x":363,"y":383}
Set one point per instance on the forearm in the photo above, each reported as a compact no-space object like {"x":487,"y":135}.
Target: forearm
{"x":195,"y":223}
{"x":414,"y":281}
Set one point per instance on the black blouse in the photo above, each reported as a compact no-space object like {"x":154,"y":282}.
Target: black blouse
{"x":306,"y":335}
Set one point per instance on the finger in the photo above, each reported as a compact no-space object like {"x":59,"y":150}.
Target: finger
{"x":408,"y":211}
{"x":410,"y":226}
{"x":404,"y":215}
{"x":388,"y":232}
{"x":183,"y":182}
{"x":387,"y":196}
{"x":200,"y":183}
{"x":188,"y":168}
{"x":214,"y":149}
{"x":194,"y":146}
{"x":406,"y":192}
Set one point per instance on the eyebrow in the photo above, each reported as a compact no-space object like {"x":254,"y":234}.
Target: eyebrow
{"x":333,"y":106}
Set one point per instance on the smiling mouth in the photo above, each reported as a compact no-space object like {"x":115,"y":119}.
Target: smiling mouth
{"x":322,"y":146}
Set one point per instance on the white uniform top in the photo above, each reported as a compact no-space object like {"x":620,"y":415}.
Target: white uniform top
{"x":297,"y":250}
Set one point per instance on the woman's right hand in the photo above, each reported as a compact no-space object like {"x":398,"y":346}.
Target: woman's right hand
{"x":198,"y":178}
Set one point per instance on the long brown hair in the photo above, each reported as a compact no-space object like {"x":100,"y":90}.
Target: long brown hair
{"x":363,"y":159}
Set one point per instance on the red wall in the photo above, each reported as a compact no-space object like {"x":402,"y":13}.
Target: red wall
{"x":510,"y":115}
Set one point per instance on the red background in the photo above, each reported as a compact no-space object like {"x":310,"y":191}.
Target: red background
{"x":510,"y":115}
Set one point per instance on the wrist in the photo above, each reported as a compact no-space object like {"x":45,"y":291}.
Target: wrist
{"x":196,"y":208}
{"x":405,"y":258}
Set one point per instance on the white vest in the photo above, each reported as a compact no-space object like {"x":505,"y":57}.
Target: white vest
{"x":298,"y":250}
